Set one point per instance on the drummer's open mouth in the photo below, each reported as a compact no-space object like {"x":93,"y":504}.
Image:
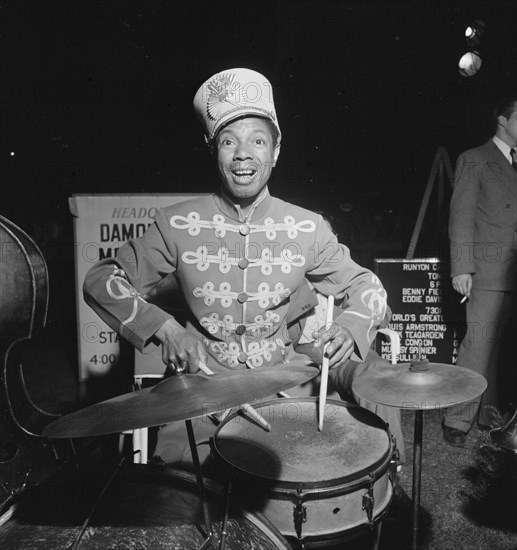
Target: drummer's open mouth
{"x":240,"y":173}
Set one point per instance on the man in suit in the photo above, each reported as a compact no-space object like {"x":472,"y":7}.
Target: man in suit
{"x":483,"y":241}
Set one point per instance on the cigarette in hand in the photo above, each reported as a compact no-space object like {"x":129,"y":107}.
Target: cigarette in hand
{"x":464,"y":299}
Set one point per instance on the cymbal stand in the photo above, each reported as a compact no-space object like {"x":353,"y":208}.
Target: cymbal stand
{"x":226,"y":511}
{"x":417,"y":477}
{"x":77,"y":539}
{"x":201,"y":484}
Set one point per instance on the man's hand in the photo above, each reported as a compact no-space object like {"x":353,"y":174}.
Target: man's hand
{"x":180,"y":348}
{"x":341,"y":343}
{"x":462,"y":284}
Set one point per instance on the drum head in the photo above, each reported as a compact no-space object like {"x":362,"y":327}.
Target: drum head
{"x":353,"y":440}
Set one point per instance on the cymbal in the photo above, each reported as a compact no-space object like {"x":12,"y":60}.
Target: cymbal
{"x":180,"y":397}
{"x":404,"y":386}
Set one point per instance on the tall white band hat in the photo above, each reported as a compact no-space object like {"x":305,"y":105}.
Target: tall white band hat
{"x":232,"y":94}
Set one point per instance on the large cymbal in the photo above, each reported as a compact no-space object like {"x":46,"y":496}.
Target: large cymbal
{"x":404,"y":386}
{"x":180,"y":397}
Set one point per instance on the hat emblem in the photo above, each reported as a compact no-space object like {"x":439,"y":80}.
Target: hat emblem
{"x":220,"y":90}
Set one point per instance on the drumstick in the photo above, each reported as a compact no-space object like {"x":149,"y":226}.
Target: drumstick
{"x":246,"y":407}
{"x":204,"y":368}
{"x":255,"y":415}
{"x":325,"y":367}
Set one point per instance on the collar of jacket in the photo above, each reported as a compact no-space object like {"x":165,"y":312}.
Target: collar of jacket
{"x":233,"y":211}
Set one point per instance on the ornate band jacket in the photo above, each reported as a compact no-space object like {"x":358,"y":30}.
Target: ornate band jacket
{"x":237,"y":274}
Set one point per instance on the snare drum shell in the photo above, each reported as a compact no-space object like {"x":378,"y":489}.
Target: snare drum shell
{"x":329,"y":517}
{"x":328,"y":492}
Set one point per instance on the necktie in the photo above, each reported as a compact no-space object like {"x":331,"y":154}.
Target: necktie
{"x":513,"y":154}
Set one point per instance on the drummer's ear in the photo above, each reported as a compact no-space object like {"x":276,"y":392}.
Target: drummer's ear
{"x":276,"y":152}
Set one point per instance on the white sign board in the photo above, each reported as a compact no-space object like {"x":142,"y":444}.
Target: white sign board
{"x":102,"y":223}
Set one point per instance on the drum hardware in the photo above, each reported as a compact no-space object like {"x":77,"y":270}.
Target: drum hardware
{"x":369,"y":502}
{"x":201,"y":485}
{"x":506,"y":436}
{"x":299,"y":514}
{"x":224,"y":526}
{"x":394,"y":467}
{"x":418,"y":386}
{"x":96,"y":503}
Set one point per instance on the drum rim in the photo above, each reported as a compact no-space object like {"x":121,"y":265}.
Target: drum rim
{"x":359,"y":479}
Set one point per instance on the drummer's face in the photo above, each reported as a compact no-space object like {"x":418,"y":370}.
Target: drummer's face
{"x":246,"y":155}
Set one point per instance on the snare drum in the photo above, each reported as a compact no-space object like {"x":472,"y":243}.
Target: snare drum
{"x":315,"y":487}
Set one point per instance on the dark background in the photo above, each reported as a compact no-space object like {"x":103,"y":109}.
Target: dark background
{"x":96,"y":97}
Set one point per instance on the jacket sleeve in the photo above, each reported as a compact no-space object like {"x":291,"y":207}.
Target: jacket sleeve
{"x":115,"y":287}
{"x":333,"y":272}
{"x":463,"y":214}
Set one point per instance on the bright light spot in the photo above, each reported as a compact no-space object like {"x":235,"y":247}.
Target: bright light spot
{"x":12,"y":153}
{"x":469,"y":64}
{"x":469,"y":31}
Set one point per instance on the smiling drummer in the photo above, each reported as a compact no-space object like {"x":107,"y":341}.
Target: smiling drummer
{"x":238,"y":254}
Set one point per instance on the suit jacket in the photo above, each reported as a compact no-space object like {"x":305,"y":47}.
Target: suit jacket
{"x":483,"y":218}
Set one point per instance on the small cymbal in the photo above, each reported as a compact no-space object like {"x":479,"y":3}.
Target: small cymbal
{"x":406,"y":387}
{"x":180,"y":397}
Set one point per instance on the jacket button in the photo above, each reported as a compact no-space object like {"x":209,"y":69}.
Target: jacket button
{"x":244,"y":229}
{"x":242,"y":357}
{"x":240,"y":330}
{"x":243,"y":263}
{"x":242,"y":297}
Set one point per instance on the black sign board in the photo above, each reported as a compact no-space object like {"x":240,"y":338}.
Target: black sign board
{"x":425,"y":311}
